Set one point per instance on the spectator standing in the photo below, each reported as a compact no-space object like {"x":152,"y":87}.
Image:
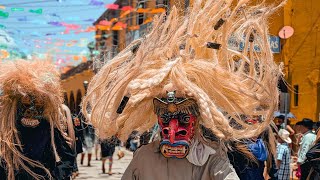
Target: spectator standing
{"x":282,"y":125}
{"x":79,"y":138}
{"x":307,"y":141}
{"x":283,"y":155}
{"x":313,"y":160}
{"x":88,"y":144}
{"x":107,"y":151}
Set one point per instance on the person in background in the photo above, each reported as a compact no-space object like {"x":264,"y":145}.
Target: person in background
{"x":281,"y":124}
{"x":313,"y":160}
{"x":88,"y":145}
{"x":33,"y":144}
{"x":107,"y":151}
{"x":306,"y":143}
{"x":79,"y":138}
{"x":97,"y":147}
{"x":249,"y":156}
{"x":283,"y":155}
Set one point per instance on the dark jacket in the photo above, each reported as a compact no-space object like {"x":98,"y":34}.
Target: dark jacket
{"x":41,"y":150}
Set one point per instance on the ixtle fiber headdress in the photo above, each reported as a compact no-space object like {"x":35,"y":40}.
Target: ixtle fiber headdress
{"x":19,"y":79}
{"x":192,"y":55}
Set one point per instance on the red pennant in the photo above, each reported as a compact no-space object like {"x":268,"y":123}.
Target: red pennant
{"x":112,"y":6}
{"x":105,"y":23}
{"x":127,"y":8}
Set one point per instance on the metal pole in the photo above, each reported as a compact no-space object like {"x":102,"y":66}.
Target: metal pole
{"x":286,"y":110}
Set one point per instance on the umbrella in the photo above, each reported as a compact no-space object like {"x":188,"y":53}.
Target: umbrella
{"x":289,"y":115}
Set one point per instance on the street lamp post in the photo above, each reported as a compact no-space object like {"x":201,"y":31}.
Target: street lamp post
{"x":85,"y":85}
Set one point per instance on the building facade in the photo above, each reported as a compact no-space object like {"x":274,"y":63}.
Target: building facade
{"x":302,"y":57}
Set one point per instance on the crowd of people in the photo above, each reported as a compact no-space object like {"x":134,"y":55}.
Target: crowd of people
{"x":302,"y":148}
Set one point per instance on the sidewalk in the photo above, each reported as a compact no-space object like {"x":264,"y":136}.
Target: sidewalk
{"x":94,"y":172}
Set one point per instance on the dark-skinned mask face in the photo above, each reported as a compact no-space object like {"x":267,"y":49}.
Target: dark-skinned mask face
{"x":30,"y":111}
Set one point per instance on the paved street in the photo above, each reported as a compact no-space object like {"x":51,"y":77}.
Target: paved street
{"x":94,"y":172}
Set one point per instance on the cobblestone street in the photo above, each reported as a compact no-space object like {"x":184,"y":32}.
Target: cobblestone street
{"x":94,"y":172}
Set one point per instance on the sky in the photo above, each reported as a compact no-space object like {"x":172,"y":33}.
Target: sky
{"x":37,"y":27}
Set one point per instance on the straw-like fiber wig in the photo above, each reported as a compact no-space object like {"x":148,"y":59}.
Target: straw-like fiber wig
{"x":18,"y":79}
{"x":227,"y":83}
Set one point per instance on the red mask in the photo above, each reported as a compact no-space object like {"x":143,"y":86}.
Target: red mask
{"x":176,"y":132}
{"x":177,"y":118}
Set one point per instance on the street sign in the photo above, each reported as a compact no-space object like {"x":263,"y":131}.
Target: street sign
{"x":239,"y":46}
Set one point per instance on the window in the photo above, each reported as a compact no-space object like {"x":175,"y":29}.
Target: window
{"x":163,"y":4}
{"x":140,"y":17}
{"x":296,"y":95}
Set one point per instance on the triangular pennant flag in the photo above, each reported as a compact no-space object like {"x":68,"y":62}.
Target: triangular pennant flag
{"x":127,"y":8}
{"x":121,"y":24}
{"x":105,"y":23}
{"x":134,"y":27}
{"x":149,"y":19}
{"x":142,"y":10}
{"x":112,"y":6}
{"x":125,"y":13}
{"x":157,"y":10}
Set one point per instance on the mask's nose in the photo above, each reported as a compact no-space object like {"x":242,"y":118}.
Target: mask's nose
{"x":173,"y":128}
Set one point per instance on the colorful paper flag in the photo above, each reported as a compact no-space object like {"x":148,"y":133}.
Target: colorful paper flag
{"x":4,"y":54}
{"x":158,"y":10}
{"x":17,"y":9}
{"x":142,"y":10}
{"x":149,"y":19}
{"x":121,"y":24}
{"x":84,"y":59}
{"x":112,"y":6}
{"x":116,"y":28}
{"x":125,"y":13}
{"x":105,"y":23}
{"x":36,"y":11}
{"x":114,"y":20}
{"x":76,"y":58}
{"x":4,"y":14}
{"x":96,"y":3}
{"x":90,"y":29}
{"x":127,"y":8}
{"x":134,"y":27}
{"x":103,"y":28}
{"x":55,"y":23}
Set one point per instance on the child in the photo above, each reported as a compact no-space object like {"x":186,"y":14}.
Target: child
{"x":283,"y":155}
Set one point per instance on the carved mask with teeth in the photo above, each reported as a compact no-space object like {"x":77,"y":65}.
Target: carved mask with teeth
{"x":30,"y":111}
{"x":177,"y":118}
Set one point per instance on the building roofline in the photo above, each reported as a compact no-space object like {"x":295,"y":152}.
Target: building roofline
{"x":76,"y":70}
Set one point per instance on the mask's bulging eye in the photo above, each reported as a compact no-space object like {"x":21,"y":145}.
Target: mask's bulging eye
{"x":184,"y":119}
{"x":165,"y":119}
{"x":165,"y":131}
